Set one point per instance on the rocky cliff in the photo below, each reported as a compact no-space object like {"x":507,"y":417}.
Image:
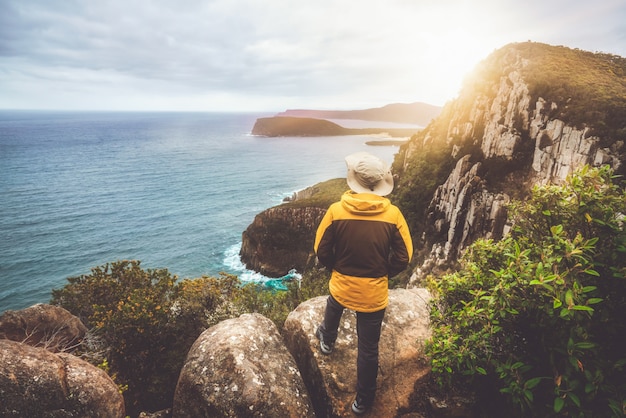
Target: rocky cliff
{"x":510,"y":129}
{"x":281,"y":238}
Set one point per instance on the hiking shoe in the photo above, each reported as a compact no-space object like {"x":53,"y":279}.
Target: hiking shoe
{"x":358,"y":406}
{"x":325,"y":347}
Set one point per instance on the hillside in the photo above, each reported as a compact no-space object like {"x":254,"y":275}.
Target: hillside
{"x":292,"y":126}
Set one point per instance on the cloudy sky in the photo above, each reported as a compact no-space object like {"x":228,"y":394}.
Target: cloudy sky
{"x":270,"y":55}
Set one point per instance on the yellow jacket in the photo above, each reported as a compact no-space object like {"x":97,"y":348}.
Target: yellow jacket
{"x":364,"y":240}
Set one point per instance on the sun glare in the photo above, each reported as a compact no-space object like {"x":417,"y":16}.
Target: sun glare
{"x":445,"y":59}
{"x":440,"y":45}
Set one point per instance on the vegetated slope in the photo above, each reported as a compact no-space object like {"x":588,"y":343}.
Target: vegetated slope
{"x":292,"y":126}
{"x":585,"y":88}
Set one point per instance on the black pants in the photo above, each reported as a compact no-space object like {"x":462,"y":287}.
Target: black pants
{"x":368,"y":325}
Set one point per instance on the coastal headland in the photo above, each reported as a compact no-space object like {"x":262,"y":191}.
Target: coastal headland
{"x":296,"y":126}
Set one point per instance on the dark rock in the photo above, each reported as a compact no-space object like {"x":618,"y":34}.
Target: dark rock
{"x":37,"y":383}
{"x":47,"y":326}
{"x":280,"y":239}
{"x":241,"y":368}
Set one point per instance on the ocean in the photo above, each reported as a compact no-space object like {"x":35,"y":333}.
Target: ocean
{"x":174,"y":190}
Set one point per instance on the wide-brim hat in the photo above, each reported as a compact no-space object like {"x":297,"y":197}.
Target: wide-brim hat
{"x":368,"y":174}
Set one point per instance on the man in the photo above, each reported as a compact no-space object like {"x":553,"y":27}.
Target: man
{"x":364,"y":240}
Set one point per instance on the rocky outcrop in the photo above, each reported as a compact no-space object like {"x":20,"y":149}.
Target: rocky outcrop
{"x":241,"y":368}
{"x":280,"y":239}
{"x":462,"y":210}
{"x":331,"y":380}
{"x":47,"y":326}
{"x":504,"y":140}
{"x":559,"y":148}
{"x":37,"y":383}
{"x":244,"y":367}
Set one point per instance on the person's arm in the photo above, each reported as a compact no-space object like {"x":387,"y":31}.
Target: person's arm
{"x":324,"y":246}
{"x":401,"y":247}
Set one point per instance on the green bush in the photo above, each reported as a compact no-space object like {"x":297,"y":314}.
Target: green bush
{"x":539,"y":315}
{"x":147,"y":322}
{"x":276,"y":305}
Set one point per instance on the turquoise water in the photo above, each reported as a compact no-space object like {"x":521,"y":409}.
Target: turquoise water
{"x":174,"y":190}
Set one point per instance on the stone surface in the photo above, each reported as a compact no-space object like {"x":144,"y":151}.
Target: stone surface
{"x":463,"y":209}
{"x":47,"y":326}
{"x":37,"y":383}
{"x":241,"y":368}
{"x":331,"y":380}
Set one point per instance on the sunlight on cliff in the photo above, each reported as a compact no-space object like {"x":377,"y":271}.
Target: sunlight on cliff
{"x":454,"y":54}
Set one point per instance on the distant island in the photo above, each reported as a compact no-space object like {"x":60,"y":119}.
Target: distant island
{"x":410,"y":113}
{"x":293,"y":126}
{"x":307,"y":122}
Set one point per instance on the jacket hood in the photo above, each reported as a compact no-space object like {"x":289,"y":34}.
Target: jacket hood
{"x":364,"y":203}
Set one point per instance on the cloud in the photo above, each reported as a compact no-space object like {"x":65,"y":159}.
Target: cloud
{"x":272,"y":54}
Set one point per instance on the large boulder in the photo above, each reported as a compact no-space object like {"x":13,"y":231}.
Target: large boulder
{"x":241,"y":368}
{"x":331,"y":380}
{"x":37,"y":383}
{"x":46,"y":326}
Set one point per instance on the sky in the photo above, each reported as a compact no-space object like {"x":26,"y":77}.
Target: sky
{"x":272,"y":55}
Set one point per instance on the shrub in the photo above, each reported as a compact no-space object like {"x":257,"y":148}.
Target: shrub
{"x":147,"y":322}
{"x":276,"y":305}
{"x":539,"y":314}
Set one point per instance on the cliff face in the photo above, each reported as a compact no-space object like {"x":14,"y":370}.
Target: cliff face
{"x":503,"y":139}
{"x":280,"y":239}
